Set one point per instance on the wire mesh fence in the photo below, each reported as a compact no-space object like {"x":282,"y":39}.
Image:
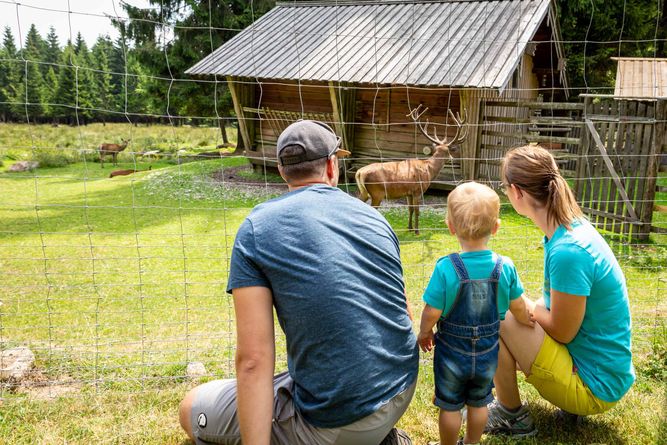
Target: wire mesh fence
{"x":118,"y":284}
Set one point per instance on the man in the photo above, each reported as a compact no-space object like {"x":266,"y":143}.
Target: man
{"x":330,"y":266}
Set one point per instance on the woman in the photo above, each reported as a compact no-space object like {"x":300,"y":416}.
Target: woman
{"x":578,"y":354}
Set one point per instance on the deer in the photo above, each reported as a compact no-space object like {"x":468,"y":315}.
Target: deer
{"x":111,"y":149}
{"x":127,"y":172}
{"x":410,"y":177}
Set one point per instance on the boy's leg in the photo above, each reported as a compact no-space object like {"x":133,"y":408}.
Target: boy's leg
{"x":449,"y":425}
{"x":475,"y":423}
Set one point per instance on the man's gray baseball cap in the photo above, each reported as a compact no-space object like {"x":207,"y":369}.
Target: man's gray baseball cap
{"x":315,"y":140}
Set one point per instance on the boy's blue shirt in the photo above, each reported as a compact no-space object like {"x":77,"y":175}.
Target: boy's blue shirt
{"x":444,"y":283}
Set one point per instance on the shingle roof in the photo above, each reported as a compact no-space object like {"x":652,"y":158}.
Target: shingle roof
{"x":428,"y":43}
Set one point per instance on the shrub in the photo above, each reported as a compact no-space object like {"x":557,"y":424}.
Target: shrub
{"x":52,"y":158}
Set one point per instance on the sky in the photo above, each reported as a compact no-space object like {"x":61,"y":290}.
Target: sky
{"x":87,"y":17}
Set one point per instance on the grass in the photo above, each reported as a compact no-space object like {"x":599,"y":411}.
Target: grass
{"x":116,"y":284}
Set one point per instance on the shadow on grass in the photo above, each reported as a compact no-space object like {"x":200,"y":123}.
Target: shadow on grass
{"x":552,"y":429}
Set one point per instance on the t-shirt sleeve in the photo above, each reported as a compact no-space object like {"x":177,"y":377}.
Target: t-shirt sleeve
{"x":243,"y":270}
{"x":515,"y":285}
{"x":434,"y":295}
{"x":571,"y":270}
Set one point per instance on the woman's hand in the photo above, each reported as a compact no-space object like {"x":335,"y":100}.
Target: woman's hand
{"x":522,"y":309}
{"x":425,"y":340}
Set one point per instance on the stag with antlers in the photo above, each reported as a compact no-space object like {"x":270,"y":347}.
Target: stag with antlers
{"x":410,"y":177}
{"x":111,"y":149}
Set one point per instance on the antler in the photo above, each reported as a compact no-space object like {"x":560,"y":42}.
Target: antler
{"x":458,"y":138}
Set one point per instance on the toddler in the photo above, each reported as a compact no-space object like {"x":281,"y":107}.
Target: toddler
{"x":467,"y":296}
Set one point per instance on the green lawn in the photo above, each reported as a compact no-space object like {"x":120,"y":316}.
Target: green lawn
{"x":116,"y":284}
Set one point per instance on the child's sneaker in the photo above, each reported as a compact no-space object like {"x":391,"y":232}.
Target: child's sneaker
{"x":502,"y":421}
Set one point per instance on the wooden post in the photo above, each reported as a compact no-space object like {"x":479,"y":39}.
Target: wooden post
{"x":338,"y":115}
{"x":238,"y":108}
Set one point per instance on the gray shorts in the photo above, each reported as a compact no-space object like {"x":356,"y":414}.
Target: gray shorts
{"x":214,"y":419}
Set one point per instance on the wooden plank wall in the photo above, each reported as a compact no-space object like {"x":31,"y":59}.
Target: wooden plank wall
{"x":497,"y":123}
{"x":628,"y":130}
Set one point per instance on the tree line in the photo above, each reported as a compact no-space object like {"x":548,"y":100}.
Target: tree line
{"x":139,"y":77}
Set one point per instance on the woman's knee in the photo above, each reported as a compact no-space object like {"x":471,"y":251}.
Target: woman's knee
{"x":523,"y":342}
{"x":185,"y":412}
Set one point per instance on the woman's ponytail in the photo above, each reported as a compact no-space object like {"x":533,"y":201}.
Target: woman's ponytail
{"x":534,"y":170}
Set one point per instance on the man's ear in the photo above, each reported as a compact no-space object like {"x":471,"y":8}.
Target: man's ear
{"x":280,"y":170}
{"x":332,"y":167}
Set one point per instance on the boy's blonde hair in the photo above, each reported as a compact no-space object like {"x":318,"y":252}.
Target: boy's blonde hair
{"x":472,"y":210}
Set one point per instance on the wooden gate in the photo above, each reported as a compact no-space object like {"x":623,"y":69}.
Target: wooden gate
{"x":609,"y":150}
{"x":617,"y":170}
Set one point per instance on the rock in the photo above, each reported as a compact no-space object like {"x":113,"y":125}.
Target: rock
{"x":15,"y":363}
{"x":195,"y":369}
{"x":23,"y":166}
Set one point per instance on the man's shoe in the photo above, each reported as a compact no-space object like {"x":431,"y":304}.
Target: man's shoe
{"x":397,"y":437}
{"x":502,"y":421}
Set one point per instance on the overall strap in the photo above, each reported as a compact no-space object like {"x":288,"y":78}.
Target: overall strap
{"x":459,"y":267}
{"x":498,"y":269}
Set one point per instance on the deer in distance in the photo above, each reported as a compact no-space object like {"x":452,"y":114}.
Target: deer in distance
{"x":127,"y":172}
{"x":410,"y":177}
{"x":111,"y":149}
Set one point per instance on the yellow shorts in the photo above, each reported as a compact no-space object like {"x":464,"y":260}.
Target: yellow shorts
{"x":555,"y":377}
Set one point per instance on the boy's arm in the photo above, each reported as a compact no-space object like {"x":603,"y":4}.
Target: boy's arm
{"x":430,"y":317}
{"x":519,"y":307}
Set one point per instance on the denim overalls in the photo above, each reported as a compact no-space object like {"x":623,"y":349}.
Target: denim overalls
{"x":466,"y":344}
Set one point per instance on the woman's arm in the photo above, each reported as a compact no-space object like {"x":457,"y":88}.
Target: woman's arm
{"x":521,"y":311}
{"x":563,"y":321}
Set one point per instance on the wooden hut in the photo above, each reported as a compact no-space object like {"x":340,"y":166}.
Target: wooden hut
{"x":363,"y":65}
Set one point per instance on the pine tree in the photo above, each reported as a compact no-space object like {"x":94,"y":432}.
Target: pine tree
{"x":11,"y":69}
{"x":101,"y":53}
{"x":34,"y":89}
{"x":66,"y":92}
{"x":85,"y":80}
{"x":51,"y":108}
{"x":53,"y":51}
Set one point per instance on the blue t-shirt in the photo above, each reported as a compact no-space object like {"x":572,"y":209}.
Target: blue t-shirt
{"x":444,"y":283}
{"x":333,"y":266}
{"x":580,"y":262}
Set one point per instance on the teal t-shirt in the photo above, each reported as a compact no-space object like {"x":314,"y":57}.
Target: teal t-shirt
{"x":580,"y":262}
{"x":444,"y":283}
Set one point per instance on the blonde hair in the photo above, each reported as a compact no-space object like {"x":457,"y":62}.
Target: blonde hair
{"x":533,"y":169}
{"x":472,"y":210}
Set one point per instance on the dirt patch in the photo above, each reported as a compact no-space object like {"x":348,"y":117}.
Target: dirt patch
{"x":242,"y":176}
{"x":37,"y":386}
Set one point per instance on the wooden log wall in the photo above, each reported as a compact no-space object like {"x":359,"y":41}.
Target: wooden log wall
{"x":303,"y":100}
{"x":385,"y":132}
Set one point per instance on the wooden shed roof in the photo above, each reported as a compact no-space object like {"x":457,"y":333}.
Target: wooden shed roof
{"x":639,"y":77}
{"x":475,"y":44}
